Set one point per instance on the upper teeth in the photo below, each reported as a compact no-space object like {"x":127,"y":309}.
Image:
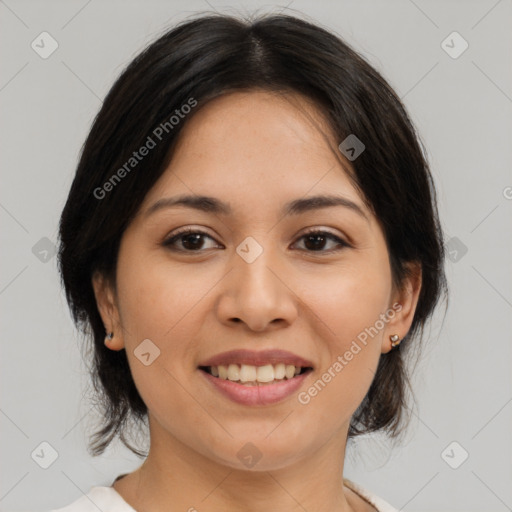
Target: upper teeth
{"x":249,"y":373}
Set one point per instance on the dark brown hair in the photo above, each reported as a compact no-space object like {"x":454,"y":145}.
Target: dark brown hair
{"x":202,"y":59}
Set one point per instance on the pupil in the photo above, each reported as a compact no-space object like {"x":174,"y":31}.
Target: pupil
{"x":195,"y":244}
{"x":312,"y":237}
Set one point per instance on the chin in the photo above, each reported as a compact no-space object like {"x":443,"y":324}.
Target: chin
{"x":250,"y":454}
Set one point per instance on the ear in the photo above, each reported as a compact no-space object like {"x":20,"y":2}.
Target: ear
{"x":109,"y":312}
{"x":403,"y":303}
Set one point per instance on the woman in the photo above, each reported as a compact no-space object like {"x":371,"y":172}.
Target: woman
{"x":252,"y":240}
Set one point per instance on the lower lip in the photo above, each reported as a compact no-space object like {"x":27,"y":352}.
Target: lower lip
{"x":257,"y":395}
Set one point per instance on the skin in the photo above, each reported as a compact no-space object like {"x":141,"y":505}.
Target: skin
{"x":257,"y":151}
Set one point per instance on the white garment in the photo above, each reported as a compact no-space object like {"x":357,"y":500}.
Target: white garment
{"x":378,"y":503}
{"x":107,"y":499}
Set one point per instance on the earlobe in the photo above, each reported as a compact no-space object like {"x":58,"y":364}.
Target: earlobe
{"x":106,"y":304}
{"x":112,"y":342}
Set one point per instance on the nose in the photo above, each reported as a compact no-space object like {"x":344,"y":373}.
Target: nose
{"x":257,"y":294}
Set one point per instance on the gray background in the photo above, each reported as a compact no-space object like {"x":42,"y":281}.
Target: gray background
{"x":462,"y":108}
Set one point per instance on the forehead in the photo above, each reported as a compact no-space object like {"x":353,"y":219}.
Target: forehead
{"x":256,"y":144}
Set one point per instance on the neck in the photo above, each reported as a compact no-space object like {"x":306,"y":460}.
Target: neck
{"x":175,"y":477}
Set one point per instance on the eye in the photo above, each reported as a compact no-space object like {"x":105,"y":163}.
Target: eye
{"x":191,"y":240}
{"x":316,"y":240}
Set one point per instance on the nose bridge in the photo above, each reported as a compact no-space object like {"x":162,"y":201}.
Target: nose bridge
{"x":253,"y":262}
{"x":255,"y":293}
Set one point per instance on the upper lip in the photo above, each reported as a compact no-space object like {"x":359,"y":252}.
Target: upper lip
{"x":257,"y":358}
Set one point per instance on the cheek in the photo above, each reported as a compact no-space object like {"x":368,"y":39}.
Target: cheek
{"x":156,"y":302}
{"x":161,"y":301}
{"x":156,"y":296}
{"x":357,"y":304}
{"x":350,"y":299}
{"x":348,"y":305}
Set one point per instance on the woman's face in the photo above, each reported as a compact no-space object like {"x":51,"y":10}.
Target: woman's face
{"x":254,"y":281}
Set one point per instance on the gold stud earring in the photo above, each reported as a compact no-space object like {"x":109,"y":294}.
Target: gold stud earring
{"x":395,"y":340}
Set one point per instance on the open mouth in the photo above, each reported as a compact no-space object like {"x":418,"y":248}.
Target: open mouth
{"x":249,"y":375}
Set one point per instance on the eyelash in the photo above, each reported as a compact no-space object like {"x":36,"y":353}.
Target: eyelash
{"x":187,"y":231}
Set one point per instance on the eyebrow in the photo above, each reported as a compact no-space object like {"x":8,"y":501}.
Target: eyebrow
{"x":296,"y":207}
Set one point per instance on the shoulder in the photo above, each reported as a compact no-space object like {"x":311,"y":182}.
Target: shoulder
{"x":376,"y":502}
{"x":98,"y":498}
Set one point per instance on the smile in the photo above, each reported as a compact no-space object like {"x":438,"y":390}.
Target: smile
{"x":250,"y":375}
{"x":255,"y":385}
